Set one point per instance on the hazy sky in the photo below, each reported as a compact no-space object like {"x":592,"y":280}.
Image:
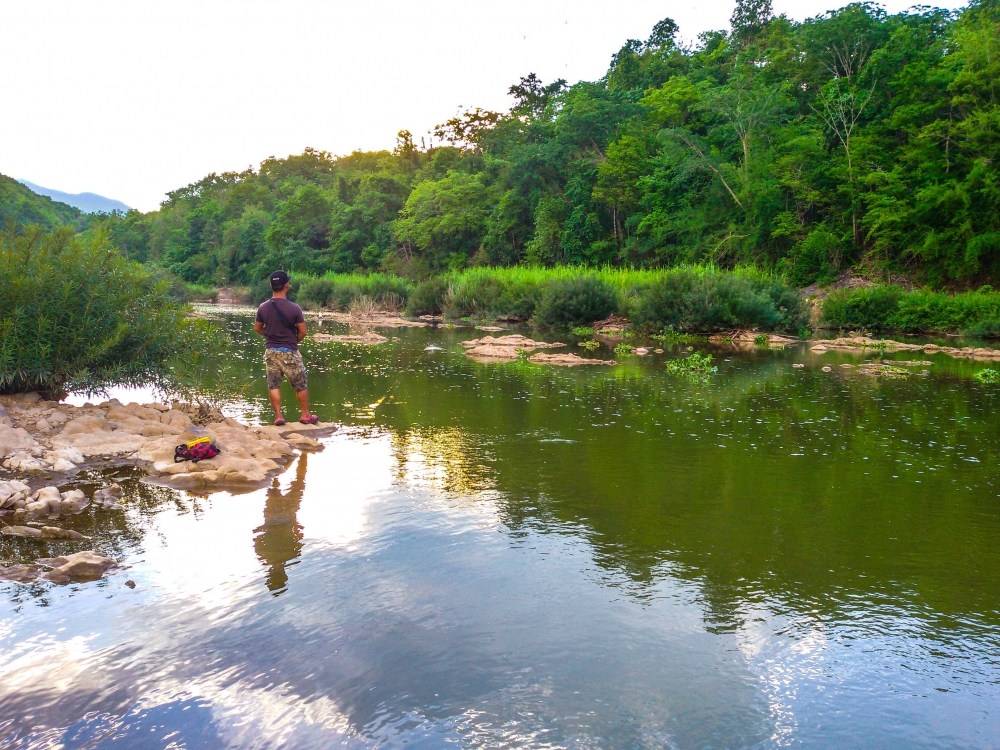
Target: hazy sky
{"x":133,"y":98}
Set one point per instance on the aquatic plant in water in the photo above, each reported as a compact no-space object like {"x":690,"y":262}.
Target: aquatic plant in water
{"x":670,"y":335}
{"x":623,"y":349}
{"x":589,"y":345}
{"x":696,"y":365}
{"x":989,"y":375}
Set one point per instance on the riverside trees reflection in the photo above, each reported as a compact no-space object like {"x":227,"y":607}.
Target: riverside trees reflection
{"x":490,"y":537}
{"x":791,"y":480}
{"x":766,"y":474}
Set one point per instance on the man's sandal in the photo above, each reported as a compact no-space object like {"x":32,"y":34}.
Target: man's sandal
{"x":311,"y":419}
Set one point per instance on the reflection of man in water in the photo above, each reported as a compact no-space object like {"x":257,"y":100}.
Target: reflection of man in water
{"x":278,"y":541}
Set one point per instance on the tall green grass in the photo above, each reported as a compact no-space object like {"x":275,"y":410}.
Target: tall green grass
{"x":696,"y":299}
{"x":338,"y":291}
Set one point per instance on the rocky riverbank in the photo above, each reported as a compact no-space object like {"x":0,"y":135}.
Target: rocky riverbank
{"x":42,"y":442}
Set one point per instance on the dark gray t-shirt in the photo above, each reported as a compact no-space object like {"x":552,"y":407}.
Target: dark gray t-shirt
{"x":276,"y":333}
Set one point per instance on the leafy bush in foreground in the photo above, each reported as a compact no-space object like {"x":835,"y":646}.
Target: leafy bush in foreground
{"x":76,"y":315}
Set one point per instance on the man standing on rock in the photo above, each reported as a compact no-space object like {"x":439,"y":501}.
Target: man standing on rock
{"x":280,"y":322}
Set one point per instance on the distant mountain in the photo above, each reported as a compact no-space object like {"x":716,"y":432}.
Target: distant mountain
{"x":89,"y":203}
{"x":21,"y":206}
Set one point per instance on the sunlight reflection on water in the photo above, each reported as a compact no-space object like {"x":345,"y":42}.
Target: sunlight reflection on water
{"x":468,"y":561}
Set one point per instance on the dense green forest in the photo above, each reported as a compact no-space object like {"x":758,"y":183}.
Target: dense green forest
{"x":853,"y":139}
{"x":856,"y":138}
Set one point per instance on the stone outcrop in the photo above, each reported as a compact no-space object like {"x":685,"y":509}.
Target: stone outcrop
{"x":41,"y":439}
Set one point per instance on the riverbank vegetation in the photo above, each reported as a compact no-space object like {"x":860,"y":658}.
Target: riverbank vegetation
{"x":690,"y":189}
{"x":76,"y":315}
{"x":890,"y":308}
{"x":683,"y":299}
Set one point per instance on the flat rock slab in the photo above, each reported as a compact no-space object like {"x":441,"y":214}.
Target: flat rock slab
{"x":746,"y":339}
{"x":375,"y":320}
{"x":369,"y":338}
{"x":499,"y":348}
{"x":61,"y":439}
{"x":865,"y":343}
{"x":567,"y":360}
{"x":513,"y":341}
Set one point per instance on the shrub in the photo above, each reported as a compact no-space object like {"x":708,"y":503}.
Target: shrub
{"x":471,"y":294}
{"x":866,"y":307}
{"x":889,"y":307}
{"x":810,"y":259}
{"x":78,"y":316}
{"x":363,"y":307}
{"x":987,"y":329}
{"x":575,"y":301}
{"x":201,"y":293}
{"x":316,"y":293}
{"x":428,"y":297}
{"x":704,"y":300}
{"x":516,"y":302}
{"x":345,"y":290}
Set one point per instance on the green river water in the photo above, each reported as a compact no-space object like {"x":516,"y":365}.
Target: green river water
{"x":511,"y":555}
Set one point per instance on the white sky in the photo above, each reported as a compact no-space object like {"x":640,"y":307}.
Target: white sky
{"x":134,"y":98}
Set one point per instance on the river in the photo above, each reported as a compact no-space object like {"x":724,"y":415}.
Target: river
{"x":510,"y":555}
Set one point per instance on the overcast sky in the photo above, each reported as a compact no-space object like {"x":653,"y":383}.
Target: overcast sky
{"x":133,"y":98}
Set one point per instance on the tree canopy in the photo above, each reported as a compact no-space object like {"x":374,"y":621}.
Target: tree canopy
{"x":852,"y":138}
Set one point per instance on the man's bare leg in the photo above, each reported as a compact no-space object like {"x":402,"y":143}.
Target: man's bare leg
{"x":303,"y":398}
{"x":274,"y":394}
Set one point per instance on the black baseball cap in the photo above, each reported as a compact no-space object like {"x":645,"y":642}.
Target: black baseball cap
{"x":279,"y":279}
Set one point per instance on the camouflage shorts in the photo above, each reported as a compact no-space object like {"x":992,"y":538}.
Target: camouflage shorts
{"x":285,"y":364}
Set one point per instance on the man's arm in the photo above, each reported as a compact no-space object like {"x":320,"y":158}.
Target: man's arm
{"x":300,"y":331}
{"x":258,"y":327}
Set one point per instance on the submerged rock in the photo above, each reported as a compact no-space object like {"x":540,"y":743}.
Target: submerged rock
{"x":25,"y":532}
{"x":19,"y":573}
{"x":80,"y":566}
{"x":45,"y":532}
{"x":108,"y":497}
